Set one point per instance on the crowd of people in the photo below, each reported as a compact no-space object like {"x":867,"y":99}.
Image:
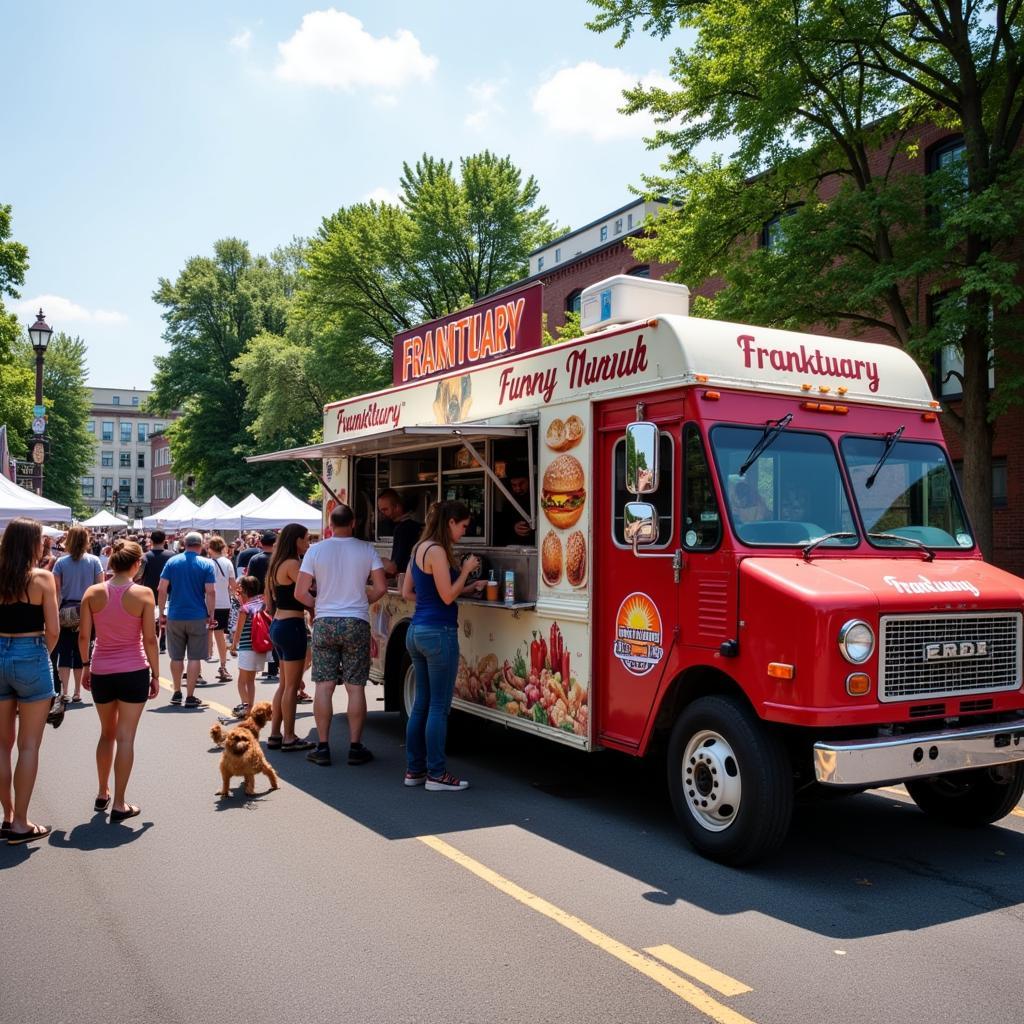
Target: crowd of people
{"x":99,"y":613}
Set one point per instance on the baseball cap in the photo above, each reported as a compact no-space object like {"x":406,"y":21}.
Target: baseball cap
{"x":268,"y":537}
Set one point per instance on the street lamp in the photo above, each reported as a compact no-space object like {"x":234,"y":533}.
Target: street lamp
{"x":39,"y":333}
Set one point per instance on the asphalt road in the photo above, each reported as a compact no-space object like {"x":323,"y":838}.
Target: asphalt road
{"x":556,"y":889}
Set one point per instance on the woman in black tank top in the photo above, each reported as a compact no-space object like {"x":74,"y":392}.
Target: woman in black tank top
{"x":28,"y":631}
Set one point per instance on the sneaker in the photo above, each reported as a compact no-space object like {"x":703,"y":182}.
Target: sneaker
{"x":194,"y":702}
{"x":445,"y":782}
{"x":176,"y":697}
{"x":358,"y":754}
{"x":320,"y":756}
{"x":415,"y":778}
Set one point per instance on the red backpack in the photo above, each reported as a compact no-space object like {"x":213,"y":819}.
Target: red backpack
{"x":260,"y":632}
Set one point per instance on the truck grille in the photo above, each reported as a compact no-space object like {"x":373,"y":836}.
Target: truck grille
{"x":907,"y":672}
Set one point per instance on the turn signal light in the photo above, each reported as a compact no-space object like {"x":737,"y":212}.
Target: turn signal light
{"x":858,"y":684}
{"x":929,"y":417}
{"x":701,"y":378}
{"x":779,"y":670}
{"x":806,"y":387}
{"x":839,"y":410}
{"x":711,"y":396}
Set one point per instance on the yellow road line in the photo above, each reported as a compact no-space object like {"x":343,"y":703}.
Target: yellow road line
{"x":686,"y":991}
{"x":702,"y":972}
{"x":168,"y":685}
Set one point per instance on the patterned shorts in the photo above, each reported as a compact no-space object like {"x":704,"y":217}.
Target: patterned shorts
{"x":341,"y":651}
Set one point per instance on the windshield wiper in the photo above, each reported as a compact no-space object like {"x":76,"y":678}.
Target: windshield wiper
{"x":772,"y":429}
{"x":890,"y":443}
{"x":929,"y":555}
{"x":808,"y":548}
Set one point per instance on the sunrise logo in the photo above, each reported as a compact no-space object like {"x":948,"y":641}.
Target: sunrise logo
{"x":638,"y":634}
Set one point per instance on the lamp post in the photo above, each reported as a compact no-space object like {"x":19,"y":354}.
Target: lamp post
{"x":39,"y":333}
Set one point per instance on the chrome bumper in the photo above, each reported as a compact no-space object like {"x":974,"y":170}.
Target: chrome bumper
{"x":898,"y":758}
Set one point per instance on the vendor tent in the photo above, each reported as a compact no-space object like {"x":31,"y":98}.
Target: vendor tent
{"x":177,"y":516}
{"x":104,"y":520}
{"x":16,"y":501}
{"x":280,"y":509}
{"x":207,"y":513}
{"x":232,"y":518}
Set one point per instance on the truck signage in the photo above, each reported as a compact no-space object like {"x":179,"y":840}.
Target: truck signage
{"x":638,"y":634}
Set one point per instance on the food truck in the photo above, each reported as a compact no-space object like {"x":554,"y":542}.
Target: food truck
{"x":741,"y":549}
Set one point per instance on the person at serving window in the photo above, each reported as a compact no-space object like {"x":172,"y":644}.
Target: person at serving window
{"x":509,"y":525}
{"x":407,"y":530}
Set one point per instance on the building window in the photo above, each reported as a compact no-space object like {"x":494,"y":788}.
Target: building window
{"x":642,"y":271}
{"x":124,"y":459}
{"x":558,"y":255}
{"x":90,"y":425}
{"x":773,"y":232}
{"x":116,"y":400}
{"x":135,"y":400}
{"x":157,"y":427}
{"x":540,"y":262}
{"x":573,"y":301}
{"x":108,"y":430}
{"x":108,"y":486}
{"x":142,"y":460}
{"x":618,"y":226}
{"x":107,"y":460}
{"x":604,"y":232}
{"x":999,"y":498}
{"x":88,"y":486}
{"x":124,"y":487}
{"x":140,"y":488}
{"x":629,"y":222}
{"x":950,"y":157}
{"x":142,"y":428}
{"x":949,"y":360}
{"x":126,"y":432}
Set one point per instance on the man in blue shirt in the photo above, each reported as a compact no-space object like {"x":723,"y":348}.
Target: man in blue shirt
{"x":189,"y":581}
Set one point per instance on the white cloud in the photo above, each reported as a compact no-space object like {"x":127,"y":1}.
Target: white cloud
{"x":484,"y":96}
{"x":241,"y":41}
{"x":332,"y":49}
{"x":60,"y":311}
{"x":585,"y":100}
{"x":383,"y":195}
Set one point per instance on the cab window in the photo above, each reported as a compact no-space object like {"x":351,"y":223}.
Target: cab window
{"x":702,"y":521}
{"x":661,"y":499}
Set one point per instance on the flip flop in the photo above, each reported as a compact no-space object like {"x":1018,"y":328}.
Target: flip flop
{"x":36,"y":832}
{"x":297,"y":744}
{"x":124,"y":815}
{"x":101,"y":803}
{"x":274,"y":742}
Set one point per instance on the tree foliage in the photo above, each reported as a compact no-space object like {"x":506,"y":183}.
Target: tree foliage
{"x":13,"y":264}
{"x":823,"y":102}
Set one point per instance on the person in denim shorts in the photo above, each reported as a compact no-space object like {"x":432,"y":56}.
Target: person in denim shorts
{"x":337,"y":569}
{"x":28,"y":632}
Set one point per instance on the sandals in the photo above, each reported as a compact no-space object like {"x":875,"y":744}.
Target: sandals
{"x":297,"y":744}
{"x":35,"y":832}
{"x":223,"y":675}
{"x":101,"y":803}
{"x":274,"y":742}
{"x":128,"y":812}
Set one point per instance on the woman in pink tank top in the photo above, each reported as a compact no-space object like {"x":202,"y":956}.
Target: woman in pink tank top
{"x":124,"y":672}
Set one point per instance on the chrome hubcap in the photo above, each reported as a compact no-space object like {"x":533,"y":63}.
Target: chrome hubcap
{"x":712,"y":786}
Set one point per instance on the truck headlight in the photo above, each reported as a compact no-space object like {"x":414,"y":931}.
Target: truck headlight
{"x":856,"y":641}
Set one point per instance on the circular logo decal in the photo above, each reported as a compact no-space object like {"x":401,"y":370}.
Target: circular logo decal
{"x":638,"y":634}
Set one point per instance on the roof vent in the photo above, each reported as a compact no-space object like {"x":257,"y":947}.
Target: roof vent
{"x":624,"y":299}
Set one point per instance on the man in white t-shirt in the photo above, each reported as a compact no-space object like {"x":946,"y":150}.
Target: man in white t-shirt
{"x":335,"y":571}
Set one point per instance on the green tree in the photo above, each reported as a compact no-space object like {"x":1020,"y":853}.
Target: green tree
{"x":13,"y":264}
{"x":822,"y":101}
{"x":67,"y":400}
{"x":212,"y":310}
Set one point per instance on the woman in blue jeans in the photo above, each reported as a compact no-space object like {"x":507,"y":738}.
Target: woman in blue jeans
{"x":436,"y":580}
{"x":28,"y":632}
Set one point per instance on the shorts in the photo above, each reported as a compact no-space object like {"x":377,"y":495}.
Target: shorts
{"x":187,"y":634}
{"x":25,"y":671}
{"x":129,"y":687}
{"x":289,"y":639}
{"x":67,"y":649}
{"x":221,"y":615}
{"x":252,"y":661}
{"x":341,"y":651}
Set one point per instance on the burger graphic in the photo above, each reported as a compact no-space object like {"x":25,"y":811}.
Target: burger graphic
{"x":563,"y":494}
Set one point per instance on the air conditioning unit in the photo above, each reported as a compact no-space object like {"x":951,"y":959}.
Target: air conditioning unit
{"x":624,"y":299}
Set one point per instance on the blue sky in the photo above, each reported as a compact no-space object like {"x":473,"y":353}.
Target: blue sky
{"x":137,"y":134}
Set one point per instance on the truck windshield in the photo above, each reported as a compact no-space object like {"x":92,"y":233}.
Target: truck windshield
{"x":912,"y":496}
{"x":791,"y":495}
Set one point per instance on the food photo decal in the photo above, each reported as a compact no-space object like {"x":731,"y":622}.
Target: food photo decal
{"x":564,"y":434}
{"x":563,"y":492}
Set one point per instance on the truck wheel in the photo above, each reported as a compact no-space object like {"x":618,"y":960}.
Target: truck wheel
{"x":970,"y":798}
{"x":408,"y":678}
{"x":730,"y":781}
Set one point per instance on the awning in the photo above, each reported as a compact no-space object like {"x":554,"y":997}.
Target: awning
{"x":404,"y":439}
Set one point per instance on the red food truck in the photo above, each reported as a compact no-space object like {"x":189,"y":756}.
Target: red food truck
{"x":744,"y":549}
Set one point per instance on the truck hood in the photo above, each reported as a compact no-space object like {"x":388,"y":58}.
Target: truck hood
{"x":896,"y":584}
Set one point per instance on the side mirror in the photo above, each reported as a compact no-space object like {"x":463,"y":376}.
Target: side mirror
{"x":640,"y":524}
{"x":641,"y":458}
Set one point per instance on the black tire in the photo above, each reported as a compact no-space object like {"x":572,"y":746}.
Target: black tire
{"x":406,"y":687}
{"x":730,"y":781}
{"x":968,"y":799}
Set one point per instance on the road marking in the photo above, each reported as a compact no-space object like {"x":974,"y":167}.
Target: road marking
{"x":686,"y":991}
{"x":168,"y":685}
{"x":695,"y":969}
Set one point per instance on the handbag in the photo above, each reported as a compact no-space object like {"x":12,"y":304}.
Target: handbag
{"x":70,"y":614}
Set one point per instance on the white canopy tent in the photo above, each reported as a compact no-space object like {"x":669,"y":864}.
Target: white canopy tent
{"x":207,"y":513}
{"x":16,"y":501}
{"x":104,"y":520}
{"x":232,"y":518}
{"x":280,"y":509}
{"x":177,"y":516}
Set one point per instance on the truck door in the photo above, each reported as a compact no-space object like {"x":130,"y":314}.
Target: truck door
{"x":636,"y":600}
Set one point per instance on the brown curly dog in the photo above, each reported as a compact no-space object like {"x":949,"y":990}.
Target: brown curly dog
{"x":242,"y":754}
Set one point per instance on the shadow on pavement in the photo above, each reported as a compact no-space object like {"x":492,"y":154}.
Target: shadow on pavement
{"x":851,"y":867}
{"x":98,"y":834}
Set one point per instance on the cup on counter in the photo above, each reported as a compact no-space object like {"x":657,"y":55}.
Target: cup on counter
{"x":492,"y":590}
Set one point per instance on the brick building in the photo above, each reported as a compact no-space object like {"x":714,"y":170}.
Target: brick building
{"x":164,"y":485}
{"x":598,"y":250}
